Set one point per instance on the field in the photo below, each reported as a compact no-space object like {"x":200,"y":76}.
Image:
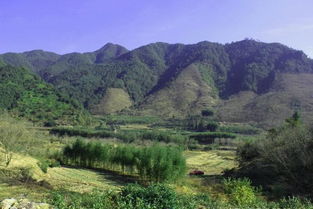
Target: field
{"x":87,"y":180}
{"x":211,"y":162}
{"x":34,"y":174}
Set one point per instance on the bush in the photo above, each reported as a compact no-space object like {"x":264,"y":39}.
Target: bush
{"x":159,"y":196}
{"x":49,"y":123}
{"x":43,"y":165}
{"x":94,"y":200}
{"x":284,"y":157}
{"x":153,"y":196}
{"x":207,"y":113}
{"x":240,"y":192}
{"x":209,"y":137}
{"x":240,"y":129}
{"x":132,"y":196}
{"x":126,"y":136}
{"x":212,"y":126}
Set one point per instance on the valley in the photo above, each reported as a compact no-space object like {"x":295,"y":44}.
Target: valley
{"x":203,"y":125}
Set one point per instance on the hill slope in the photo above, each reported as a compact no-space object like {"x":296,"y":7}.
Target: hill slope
{"x":26,"y":95}
{"x":178,"y":80}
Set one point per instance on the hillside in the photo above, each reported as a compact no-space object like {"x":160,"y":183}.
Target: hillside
{"x":178,"y":80}
{"x":26,"y":95}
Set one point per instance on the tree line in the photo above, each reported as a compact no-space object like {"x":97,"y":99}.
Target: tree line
{"x":154,"y":164}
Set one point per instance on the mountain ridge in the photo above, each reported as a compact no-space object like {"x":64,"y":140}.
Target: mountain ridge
{"x":228,"y":69}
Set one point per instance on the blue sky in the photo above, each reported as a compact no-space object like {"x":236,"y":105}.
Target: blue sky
{"x":65,"y":26}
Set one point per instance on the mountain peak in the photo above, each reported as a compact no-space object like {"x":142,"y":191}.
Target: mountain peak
{"x":109,"y":51}
{"x":109,"y":46}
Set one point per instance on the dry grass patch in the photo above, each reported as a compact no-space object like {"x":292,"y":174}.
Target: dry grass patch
{"x":211,"y":162}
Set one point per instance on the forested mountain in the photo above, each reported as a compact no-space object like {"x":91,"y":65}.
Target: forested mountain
{"x":176,"y":80}
{"x":26,"y":95}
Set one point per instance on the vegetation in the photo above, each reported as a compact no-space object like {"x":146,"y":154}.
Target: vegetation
{"x":124,"y":135}
{"x":240,"y":129}
{"x":129,"y":119}
{"x":156,"y":70}
{"x":131,"y":197}
{"x":156,"y":163}
{"x":25,"y":95}
{"x":161,"y":196}
{"x":208,"y":137}
{"x":14,"y":137}
{"x":181,"y":83}
{"x":280,"y":160}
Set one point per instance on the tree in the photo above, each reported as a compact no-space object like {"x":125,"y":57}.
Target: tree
{"x":294,"y":120}
{"x":14,"y":137}
{"x":212,"y":126}
{"x":206,"y":113}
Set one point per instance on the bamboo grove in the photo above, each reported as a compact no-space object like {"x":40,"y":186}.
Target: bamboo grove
{"x":154,"y":164}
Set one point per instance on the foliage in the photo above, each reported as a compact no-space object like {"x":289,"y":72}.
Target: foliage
{"x":153,"y":196}
{"x":207,"y":113}
{"x":161,"y":196}
{"x":14,"y":137}
{"x":240,"y":129}
{"x":156,"y":163}
{"x":240,"y":192}
{"x":132,"y":196}
{"x":130,"y":119}
{"x":25,"y":95}
{"x":255,"y":64}
{"x":246,"y":65}
{"x":200,"y":123}
{"x":209,"y":136}
{"x":126,"y":136}
{"x":294,"y":120}
{"x":95,"y":200}
{"x":283,"y":157}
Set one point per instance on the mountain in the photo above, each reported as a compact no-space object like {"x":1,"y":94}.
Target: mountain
{"x":26,"y":95}
{"x":244,"y":81}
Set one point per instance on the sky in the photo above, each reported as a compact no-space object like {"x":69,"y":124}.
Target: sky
{"x":64,"y":26}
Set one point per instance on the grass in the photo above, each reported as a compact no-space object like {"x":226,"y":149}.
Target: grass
{"x":129,"y":119}
{"x":40,"y":184}
{"x":83,"y":180}
{"x":211,"y":162}
{"x":290,"y":92}
{"x":187,"y":94}
{"x":114,"y":100}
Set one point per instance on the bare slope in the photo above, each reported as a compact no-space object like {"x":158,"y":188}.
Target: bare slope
{"x":187,"y":94}
{"x":289,"y":92}
{"x":114,"y":100}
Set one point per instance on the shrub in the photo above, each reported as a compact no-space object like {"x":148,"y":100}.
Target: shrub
{"x":132,"y":196}
{"x":209,"y":137}
{"x":240,"y":192}
{"x":50,"y":123}
{"x":207,"y":113}
{"x":282,"y":157}
{"x":43,"y":165}
{"x":154,"y":196}
{"x":126,"y":136}
{"x":240,"y":129}
{"x":95,"y":200}
{"x":212,"y":126}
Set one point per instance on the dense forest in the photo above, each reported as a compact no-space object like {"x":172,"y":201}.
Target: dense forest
{"x":26,"y":95}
